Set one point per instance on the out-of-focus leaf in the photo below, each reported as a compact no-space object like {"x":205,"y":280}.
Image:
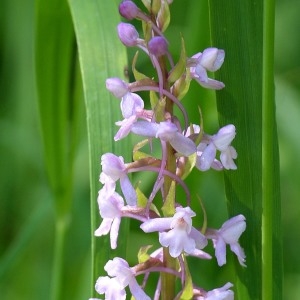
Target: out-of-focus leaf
{"x":55,"y":60}
{"x":55,"y":63}
{"x":101,"y":55}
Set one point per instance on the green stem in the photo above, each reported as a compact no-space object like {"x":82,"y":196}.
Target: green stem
{"x":61,"y":227}
{"x":268,"y":119}
{"x":168,"y":280}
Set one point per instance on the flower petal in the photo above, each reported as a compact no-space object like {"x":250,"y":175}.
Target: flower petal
{"x":177,"y":240}
{"x":220,"y":251}
{"x":117,"y":87}
{"x":182,"y":144}
{"x":125,"y":129}
{"x":224,"y":137}
{"x":144,"y":128}
{"x":104,"y":227}
{"x":128,"y":191}
{"x":207,"y":157}
{"x":131,"y":103}
{"x":114,"y":232}
{"x":233,"y":228}
{"x":200,"y":239}
{"x":212,"y":59}
{"x":226,"y":158}
{"x":136,"y":291}
{"x":238,"y":250}
{"x":156,"y":224}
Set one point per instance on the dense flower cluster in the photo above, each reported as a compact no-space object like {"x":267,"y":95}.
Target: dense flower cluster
{"x":181,"y":145}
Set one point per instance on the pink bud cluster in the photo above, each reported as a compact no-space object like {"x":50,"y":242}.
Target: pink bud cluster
{"x":187,"y":144}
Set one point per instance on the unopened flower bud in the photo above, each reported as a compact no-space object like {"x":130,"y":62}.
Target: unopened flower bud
{"x":158,"y":46}
{"x":128,"y":10}
{"x":128,"y":34}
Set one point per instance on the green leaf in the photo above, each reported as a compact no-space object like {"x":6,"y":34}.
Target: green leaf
{"x":168,"y":207}
{"x":179,"y":68}
{"x":272,"y":268}
{"x":187,"y":292}
{"x":239,"y":29}
{"x":163,"y":16}
{"x":137,"y":75}
{"x":56,"y":79}
{"x":101,"y":55}
{"x":55,"y":54}
{"x":147,"y":4}
{"x":143,"y":253}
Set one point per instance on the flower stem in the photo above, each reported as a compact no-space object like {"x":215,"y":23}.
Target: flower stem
{"x":61,"y":227}
{"x":168,"y":280}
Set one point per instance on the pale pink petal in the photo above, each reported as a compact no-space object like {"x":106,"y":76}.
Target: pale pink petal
{"x":128,"y":191}
{"x":205,"y":161}
{"x":114,"y":232}
{"x":220,"y":251}
{"x":182,"y":144}
{"x":104,"y":227}
{"x":157,"y":224}
{"x":136,"y":291}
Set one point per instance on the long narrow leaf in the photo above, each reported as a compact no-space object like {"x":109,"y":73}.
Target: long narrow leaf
{"x":101,"y":56}
{"x":54,"y":62}
{"x":237,"y":27}
{"x":272,"y":269}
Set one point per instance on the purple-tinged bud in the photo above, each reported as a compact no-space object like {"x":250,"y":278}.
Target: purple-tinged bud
{"x":128,"y":34}
{"x":158,"y":46}
{"x":117,"y":87}
{"x":128,"y":10}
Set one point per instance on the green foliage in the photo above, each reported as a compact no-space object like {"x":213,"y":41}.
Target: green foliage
{"x":95,"y":25}
{"x":253,"y":189}
{"x":27,"y":213}
{"x":55,"y":62}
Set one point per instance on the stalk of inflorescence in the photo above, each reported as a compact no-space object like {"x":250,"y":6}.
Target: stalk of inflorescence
{"x":183,"y":146}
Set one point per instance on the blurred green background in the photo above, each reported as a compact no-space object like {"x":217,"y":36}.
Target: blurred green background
{"x":26,"y":207}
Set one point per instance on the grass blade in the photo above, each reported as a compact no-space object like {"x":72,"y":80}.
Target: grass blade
{"x":55,"y":62}
{"x":272,"y":268}
{"x":101,"y":56}
{"x":238,"y":28}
